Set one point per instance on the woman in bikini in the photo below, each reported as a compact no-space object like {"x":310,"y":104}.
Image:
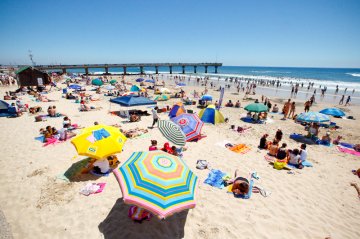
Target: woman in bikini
{"x":241,"y":185}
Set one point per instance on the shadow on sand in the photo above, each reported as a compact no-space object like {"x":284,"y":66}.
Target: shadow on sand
{"x":117,"y":225}
{"x":73,"y":174}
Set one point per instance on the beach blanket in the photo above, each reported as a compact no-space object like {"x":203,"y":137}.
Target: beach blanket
{"x":305,"y":164}
{"x":215,"y":178}
{"x":347,"y":151}
{"x":323,"y":143}
{"x":240,"y":149}
{"x":346,"y":145}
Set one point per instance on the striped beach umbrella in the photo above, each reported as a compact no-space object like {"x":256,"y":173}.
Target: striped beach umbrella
{"x":158,"y":182}
{"x":190,"y":124}
{"x":172,"y":132}
{"x":312,"y":117}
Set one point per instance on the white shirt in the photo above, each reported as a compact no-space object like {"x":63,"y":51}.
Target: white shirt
{"x":303,"y":155}
{"x":62,"y":132}
{"x":154,"y":113}
{"x":294,"y":159}
{"x":103,"y":165}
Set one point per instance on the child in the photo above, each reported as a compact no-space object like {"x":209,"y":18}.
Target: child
{"x":303,"y":153}
{"x":153,"y":145}
{"x":295,"y":158}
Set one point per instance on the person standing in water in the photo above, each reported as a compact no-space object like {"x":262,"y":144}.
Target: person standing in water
{"x":342,"y":100}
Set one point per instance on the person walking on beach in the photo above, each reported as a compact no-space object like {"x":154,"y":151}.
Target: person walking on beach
{"x":155,"y":116}
{"x":286,"y":108}
{"x":292,"y":109}
{"x":307,"y":106}
{"x":342,"y":100}
{"x":348,"y":101}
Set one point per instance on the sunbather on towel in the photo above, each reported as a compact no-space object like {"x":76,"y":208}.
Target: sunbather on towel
{"x":241,"y":186}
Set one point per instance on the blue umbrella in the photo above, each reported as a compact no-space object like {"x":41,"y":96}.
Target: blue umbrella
{"x":181,"y":84}
{"x":333,"y":112}
{"x":74,"y":87}
{"x":206,"y":98}
{"x":150,"y":81}
{"x":139,"y":80}
{"x":313,"y":117}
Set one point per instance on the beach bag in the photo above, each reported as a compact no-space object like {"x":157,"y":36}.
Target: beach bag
{"x":279,"y":164}
{"x":138,"y":214}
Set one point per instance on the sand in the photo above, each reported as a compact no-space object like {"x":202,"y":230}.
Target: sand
{"x":310,"y":203}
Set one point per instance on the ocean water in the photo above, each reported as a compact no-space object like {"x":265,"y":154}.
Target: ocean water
{"x":345,"y":78}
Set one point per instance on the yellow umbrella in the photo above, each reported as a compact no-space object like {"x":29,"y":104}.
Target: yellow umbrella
{"x":99,"y":141}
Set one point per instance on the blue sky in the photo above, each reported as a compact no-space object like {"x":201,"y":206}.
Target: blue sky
{"x":320,"y":33}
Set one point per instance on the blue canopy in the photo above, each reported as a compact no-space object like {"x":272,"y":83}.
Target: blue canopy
{"x":333,"y":111}
{"x":132,"y":100}
{"x":75,"y":87}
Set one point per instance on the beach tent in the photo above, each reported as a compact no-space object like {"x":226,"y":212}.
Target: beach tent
{"x":30,"y":76}
{"x":333,"y":112}
{"x":177,"y":110}
{"x":256,"y":107}
{"x":211,"y":115}
{"x":132,"y":100}
{"x":135,"y":88}
{"x":162,"y":97}
{"x":206,"y":98}
{"x":97,"y":82}
{"x":158,"y":182}
{"x":5,"y":109}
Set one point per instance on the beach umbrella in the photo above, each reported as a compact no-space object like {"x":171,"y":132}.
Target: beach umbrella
{"x":206,"y":98}
{"x":256,"y":107}
{"x":158,"y":182}
{"x":135,"y":88}
{"x":113,"y":82}
{"x":109,"y":87}
{"x":333,"y":112}
{"x":75,"y":87}
{"x":99,"y":141}
{"x":165,"y":91}
{"x":139,"y":80}
{"x":211,"y":115}
{"x":312,"y":117}
{"x":172,"y":132}
{"x":181,"y":84}
{"x":177,"y":110}
{"x":97,"y":82}
{"x":190,"y":124}
{"x":150,"y":81}
{"x":162,"y":97}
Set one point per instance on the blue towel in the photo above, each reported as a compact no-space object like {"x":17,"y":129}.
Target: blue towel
{"x":305,"y":164}
{"x":101,"y":133}
{"x":215,"y":178}
{"x":346,"y":145}
{"x":40,"y":138}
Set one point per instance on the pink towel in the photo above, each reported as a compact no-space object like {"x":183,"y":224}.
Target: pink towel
{"x":102,"y":186}
{"x":348,"y":151}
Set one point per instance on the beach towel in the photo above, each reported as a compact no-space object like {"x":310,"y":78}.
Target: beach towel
{"x":215,"y":178}
{"x":301,"y":138}
{"x":40,"y":138}
{"x":346,"y":145}
{"x":240,"y":148}
{"x":305,"y":164}
{"x":323,"y":143}
{"x":347,"y":151}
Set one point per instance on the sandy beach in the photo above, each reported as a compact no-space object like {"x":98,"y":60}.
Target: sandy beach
{"x":314,"y":202}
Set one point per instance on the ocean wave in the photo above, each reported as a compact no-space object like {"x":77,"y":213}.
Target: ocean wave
{"x":354,"y":74}
{"x":280,"y":72}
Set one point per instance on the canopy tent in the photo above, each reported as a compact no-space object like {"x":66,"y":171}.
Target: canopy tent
{"x":211,"y":115}
{"x":333,"y":112}
{"x":177,"y":110}
{"x":158,"y":182}
{"x":256,"y":107}
{"x":132,"y":100}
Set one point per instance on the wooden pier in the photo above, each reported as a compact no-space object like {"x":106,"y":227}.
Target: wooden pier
{"x":156,"y":66}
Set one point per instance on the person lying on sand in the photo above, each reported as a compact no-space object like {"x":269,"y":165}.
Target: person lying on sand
{"x":240,"y":186}
{"x":84,"y":107}
{"x":132,"y":133}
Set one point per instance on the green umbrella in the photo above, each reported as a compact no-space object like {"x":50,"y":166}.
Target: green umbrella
{"x":256,"y":107}
{"x":97,"y":82}
{"x":113,"y":82}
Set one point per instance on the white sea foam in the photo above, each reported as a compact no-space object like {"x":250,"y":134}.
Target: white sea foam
{"x":354,"y":74}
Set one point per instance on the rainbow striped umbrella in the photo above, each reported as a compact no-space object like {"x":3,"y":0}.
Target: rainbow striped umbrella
{"x":190,"y":124}
{"x":158,"y":182}
{"x":172,"y":132}
{"x":313,"y":117}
